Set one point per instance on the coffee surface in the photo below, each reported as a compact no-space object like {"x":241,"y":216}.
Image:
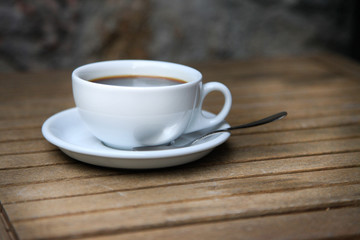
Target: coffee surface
{"x":138,"y":81}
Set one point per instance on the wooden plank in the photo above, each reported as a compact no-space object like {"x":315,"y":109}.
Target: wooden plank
{"x":297,"y":104}
{"x":283,"y":88}
{"x":34,"y":160}
{"x":303,"y":135}
{"x":303,"y":94}
{"x":245,"y":90}
{"x":289,"y":124}
{"x":50,"y":173}
{"x":241,"y":116}
{"x":275,"y":66}
{"x":349,"y":103}
{"x":250,"y":176}
{"x":179,"y":193}
{"x":331,"y":111}
{"x":21,"y":110}
{"x":296,"y":124}
{"x":189,"y":212}
{"x":26,"y":146}
{"x":14,"y":112}
{"x":61,"y":89}
{"x":31,"y":84}
{"x":222,"y":155}
{"x":244,"y":139}
{"x":20,"y":134}
{"x":60,"y":81}
{"x":6,"y":231}
{"x":299,"y":65}
{"x":338,"y":64}
{"x":71,"y":181}
{"x":340,"y":223}
{"x":227,"y":153}
{"x":289,"y":87}
{"x":22,"y":123}
{"x":38,"y":145}
{"x":253,"y":89}
{"x":257,"y":90}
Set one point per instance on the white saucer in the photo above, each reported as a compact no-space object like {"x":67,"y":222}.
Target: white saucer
{"x":67,"y":131}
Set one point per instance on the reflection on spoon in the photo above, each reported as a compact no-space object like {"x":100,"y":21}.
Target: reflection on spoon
{"x":201,"y":136}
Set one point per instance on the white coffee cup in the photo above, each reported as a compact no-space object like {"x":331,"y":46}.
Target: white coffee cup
{"x":124,"y":117}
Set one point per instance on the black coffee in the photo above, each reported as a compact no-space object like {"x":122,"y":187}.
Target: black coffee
{"x":138,"y":81}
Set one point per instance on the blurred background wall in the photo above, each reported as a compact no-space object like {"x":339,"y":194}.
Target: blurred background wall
{"x":63,"y":34}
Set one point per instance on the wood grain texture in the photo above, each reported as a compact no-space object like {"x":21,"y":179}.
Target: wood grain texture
{"x":76,"y":184}
{"x":337,"y":223}
{"x":189,"y":212}
{"x":115,"y":199}
{"x":229,"y":153}
{"x":298,"y":178}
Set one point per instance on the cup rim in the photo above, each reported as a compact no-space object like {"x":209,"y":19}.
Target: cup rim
{"x":76,"y":77}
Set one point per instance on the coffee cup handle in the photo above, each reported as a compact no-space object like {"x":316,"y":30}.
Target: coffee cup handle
{"x":199,"y":121}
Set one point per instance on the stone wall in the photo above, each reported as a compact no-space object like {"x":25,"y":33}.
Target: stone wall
{"x":53,"y":34}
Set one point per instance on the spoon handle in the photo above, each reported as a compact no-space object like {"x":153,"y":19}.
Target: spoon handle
{"x":268,"y":119}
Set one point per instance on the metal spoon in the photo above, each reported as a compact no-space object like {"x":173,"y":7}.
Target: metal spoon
{"x":174,"y":143}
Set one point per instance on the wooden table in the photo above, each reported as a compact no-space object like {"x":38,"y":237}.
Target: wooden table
{"x":298,"y":178}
